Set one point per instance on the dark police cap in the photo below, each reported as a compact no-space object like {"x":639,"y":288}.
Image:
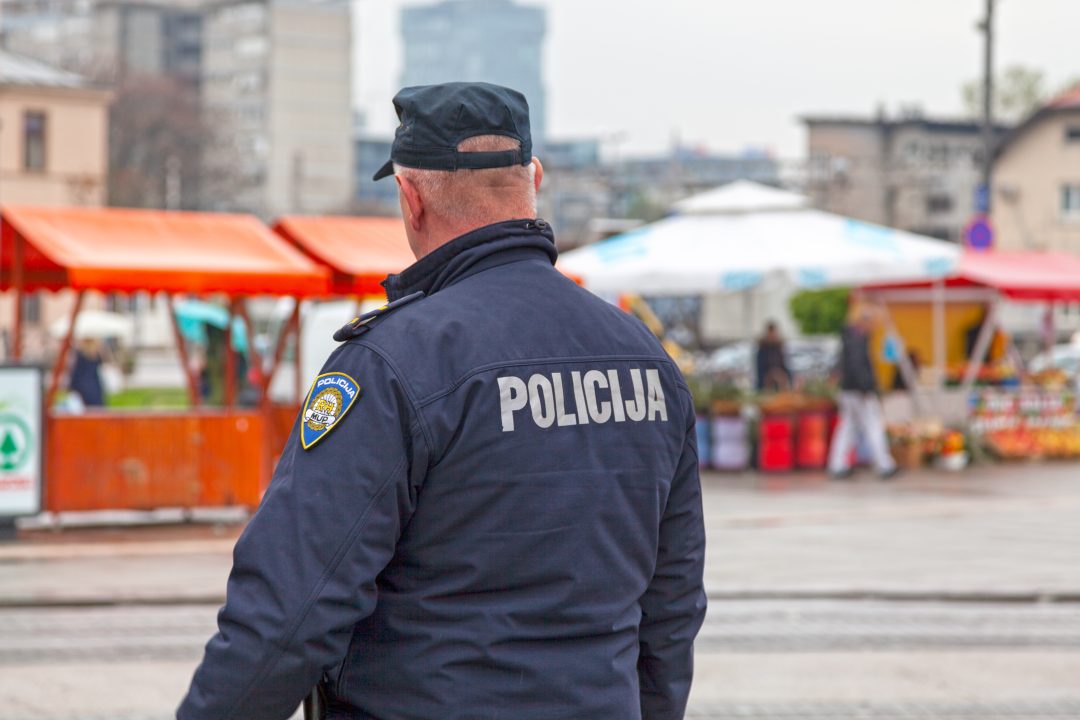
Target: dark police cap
{"x":434,"y":119}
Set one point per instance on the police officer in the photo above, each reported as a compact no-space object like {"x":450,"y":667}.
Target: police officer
{"x":489,"y":506}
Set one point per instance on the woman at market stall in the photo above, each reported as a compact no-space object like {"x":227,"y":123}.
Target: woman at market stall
{"x":772,"y":370}
{"x":85,"y":379}
{"x":860,"y":405}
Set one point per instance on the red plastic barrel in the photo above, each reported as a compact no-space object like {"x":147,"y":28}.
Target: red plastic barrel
{"x":776,"y":448}
{"x":812,"y":445}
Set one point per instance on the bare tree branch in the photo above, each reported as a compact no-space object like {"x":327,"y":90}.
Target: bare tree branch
{"x":164,"y":151}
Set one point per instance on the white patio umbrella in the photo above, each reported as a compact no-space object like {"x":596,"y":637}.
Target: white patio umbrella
{"x":96,"y":324}
{"x":748,"y":236}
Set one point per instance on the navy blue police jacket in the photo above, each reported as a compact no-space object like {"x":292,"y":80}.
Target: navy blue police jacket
{"x":505,"y":521}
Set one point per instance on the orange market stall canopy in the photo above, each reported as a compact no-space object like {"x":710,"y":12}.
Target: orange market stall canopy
{"x":142,"y":460}
{"x":360,"y":251}
{"x":122,"y":250}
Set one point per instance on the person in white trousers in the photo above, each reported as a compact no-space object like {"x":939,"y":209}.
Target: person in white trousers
{"x":860,"y":406}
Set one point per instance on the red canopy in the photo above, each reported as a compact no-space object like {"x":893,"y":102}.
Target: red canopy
{"x":1033,"y":276}
{"x":125,"y":250}
{"x":360,"y":251}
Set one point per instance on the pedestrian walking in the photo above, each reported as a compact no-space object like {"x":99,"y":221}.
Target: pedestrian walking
{"x":489,"y":505}
{"x":860,"y":404}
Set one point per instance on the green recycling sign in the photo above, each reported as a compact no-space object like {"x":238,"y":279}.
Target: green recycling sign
{"x":17,"y":442}
{"x":21,"y":440}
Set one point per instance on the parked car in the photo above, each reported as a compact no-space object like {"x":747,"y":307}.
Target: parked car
{"x":1064,"y":357}
{"x":807,"y":358}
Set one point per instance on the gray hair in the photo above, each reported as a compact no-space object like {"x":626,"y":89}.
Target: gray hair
{"x":477,"y":197}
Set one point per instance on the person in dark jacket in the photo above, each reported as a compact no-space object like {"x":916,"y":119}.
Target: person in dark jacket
{"x":860,"y":405}
{"x":772,"y":369}
{"x":489,"y":506}
{"x":85,"y":378}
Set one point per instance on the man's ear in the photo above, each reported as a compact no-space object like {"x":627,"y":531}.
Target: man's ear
{"x":539,"y":176}
{"x":413,"y":203}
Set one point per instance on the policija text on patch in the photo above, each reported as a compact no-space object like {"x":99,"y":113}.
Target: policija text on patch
{"x":597,"y":397}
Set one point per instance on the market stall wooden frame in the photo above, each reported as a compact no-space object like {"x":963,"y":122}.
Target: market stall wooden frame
{"x":203,"y":456}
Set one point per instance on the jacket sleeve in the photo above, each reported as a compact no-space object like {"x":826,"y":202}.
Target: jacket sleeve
{"x":304,"y":569}
{"x":673,"y":606}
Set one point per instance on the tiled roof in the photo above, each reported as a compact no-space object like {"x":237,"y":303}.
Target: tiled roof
{"x":1068,"y":99}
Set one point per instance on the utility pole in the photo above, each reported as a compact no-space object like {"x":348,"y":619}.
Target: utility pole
{"x":987,"y":28}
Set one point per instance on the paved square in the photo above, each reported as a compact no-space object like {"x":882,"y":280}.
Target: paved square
{"x":933,"y":596}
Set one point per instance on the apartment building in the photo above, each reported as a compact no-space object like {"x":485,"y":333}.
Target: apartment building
{"x":911,"y":172}
{"x":279,"y":74}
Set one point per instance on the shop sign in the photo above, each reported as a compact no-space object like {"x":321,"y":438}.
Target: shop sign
{"x":1025,"y":409}
{"x":21,"y":440}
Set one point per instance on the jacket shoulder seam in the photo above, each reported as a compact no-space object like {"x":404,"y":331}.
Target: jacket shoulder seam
{"x":410,"y":394}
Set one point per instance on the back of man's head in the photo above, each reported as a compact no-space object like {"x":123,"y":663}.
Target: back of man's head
{"x":462,"y":156}
{"x":456,"y":202}
{"x":477,"y":197}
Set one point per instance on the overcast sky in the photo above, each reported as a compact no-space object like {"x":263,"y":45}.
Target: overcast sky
{"x":733,"y":74}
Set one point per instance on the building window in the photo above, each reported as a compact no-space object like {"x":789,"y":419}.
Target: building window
{"x":32,"y":308}
{"x":1070,"y":202}
{"x":937,"y":204}
{"x":251,"y":46}
{"x":938,"y":154}
{"x":819,"y":167}
{"x":34,"y":141}
{"x":841,"y":168}
{"x":1072,"y":134}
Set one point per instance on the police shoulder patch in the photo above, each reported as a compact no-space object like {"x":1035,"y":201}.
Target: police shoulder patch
{"x":331,"y":396}
{"x":360,"y":325}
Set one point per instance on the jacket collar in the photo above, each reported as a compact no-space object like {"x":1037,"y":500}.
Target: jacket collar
{"x":474,"y":251}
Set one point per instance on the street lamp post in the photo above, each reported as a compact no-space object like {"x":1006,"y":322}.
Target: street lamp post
{"x":987,"y":28}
